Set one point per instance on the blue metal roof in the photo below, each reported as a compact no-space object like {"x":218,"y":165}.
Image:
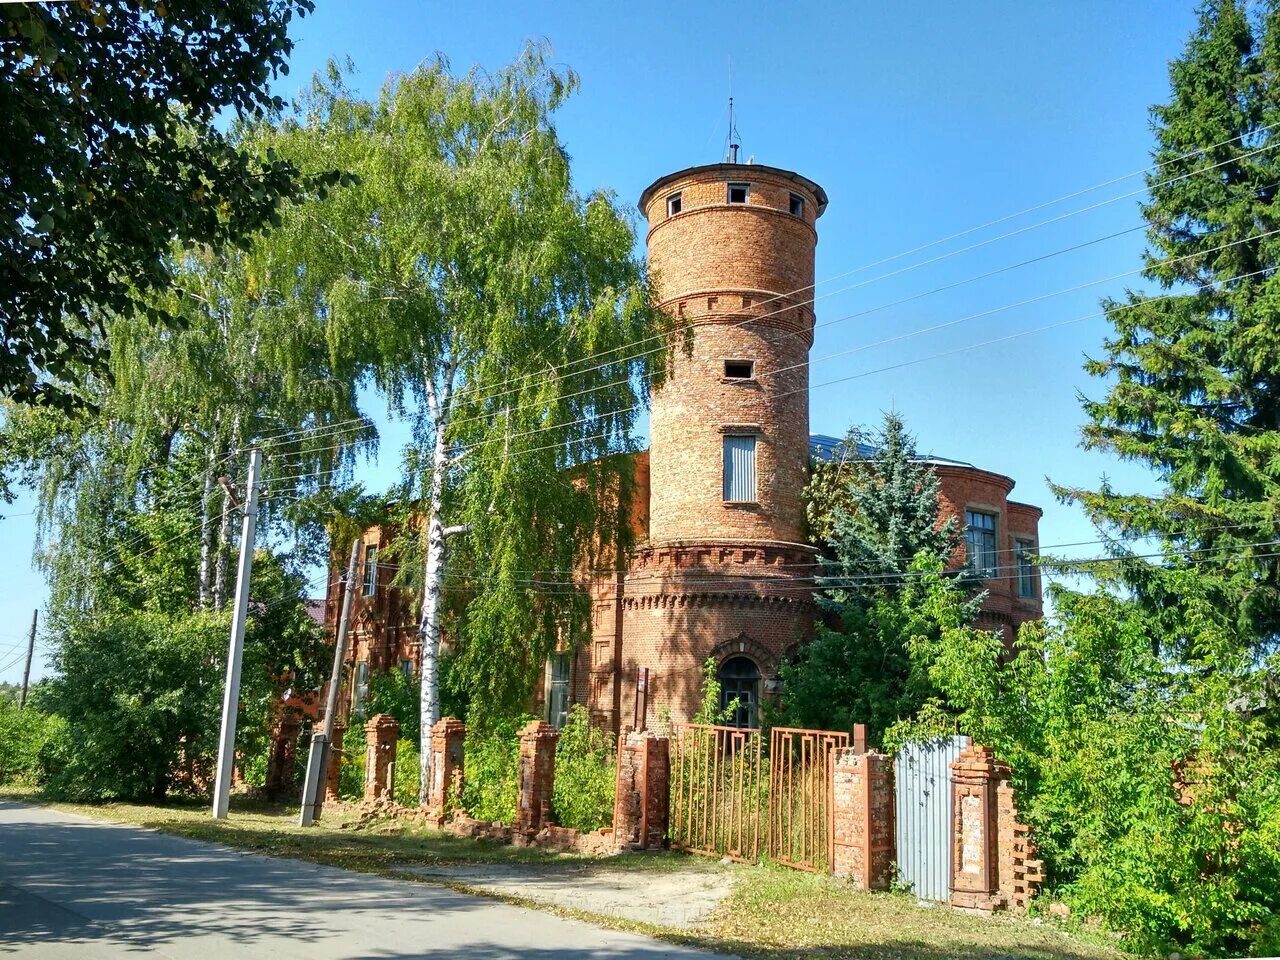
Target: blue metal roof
{"x":823,"y":447}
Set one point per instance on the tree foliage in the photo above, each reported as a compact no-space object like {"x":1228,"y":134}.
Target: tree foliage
{"x":492,"y":304}
{"x":875,"y":515}
{"x":111,"y":150}
{"x":1193,"y":374}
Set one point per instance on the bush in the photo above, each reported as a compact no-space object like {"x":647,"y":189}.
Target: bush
{"x":351,"y":773}
{"x":405,"y":789}
{"x":26,"y":737}
{"x":492,"y":770}
{"x":586,"y":774}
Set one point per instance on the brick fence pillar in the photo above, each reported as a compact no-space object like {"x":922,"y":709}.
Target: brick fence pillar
{"x":381,"y":734}
{"x":333,"y":775}
{"x":1021,"y":872}
{"x":284,"y":749}
{"x":642,"y":803}
{"x":862,"y":817}
{"x":976,"y":777}
{"x":537,"y":777}
{"x":447,"y":736}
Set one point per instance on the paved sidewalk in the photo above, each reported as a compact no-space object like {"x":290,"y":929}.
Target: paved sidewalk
{"x":78,"y":888}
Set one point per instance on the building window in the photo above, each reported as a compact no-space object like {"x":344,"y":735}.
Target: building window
{"x":797,"y":205}
{"x":673,"y":204}
{"x":738,"y":192}
{"x":739,"y":369}
{"x":980,"y":535}
{"x":740,"y":469}
{"x":558,"y":691}
{"x":740,"y":689}
{"x":360,"y":689}
{"x":370,"y":570}
{"x":1025,"y":550}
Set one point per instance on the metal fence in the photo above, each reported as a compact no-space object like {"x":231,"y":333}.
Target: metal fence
{"x":800,"y":796}
{"x":925,"y":832}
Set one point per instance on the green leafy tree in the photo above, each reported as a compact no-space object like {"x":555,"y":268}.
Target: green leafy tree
{"x":493,"y":305}
{"x":1193,"y":373}
{"x":111,"y":151}
{"x":1152,"y":788}
{"x":875,"y":514}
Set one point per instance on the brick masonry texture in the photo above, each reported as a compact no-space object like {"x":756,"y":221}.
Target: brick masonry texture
{"x":537,"y":777}
{"x":642,"y":798}
{"x":447,"y":771}
{"x":381,"y":734}
{"x":862,"y":824}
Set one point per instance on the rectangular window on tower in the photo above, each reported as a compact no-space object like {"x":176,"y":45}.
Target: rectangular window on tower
{"x":673,"y":204}
{"x":980,"y":537}
{"x":740,"y":469}
{"x":1026,"y":568}
{"x":797,"y":205}
{"x":738,"y":369}
{"x":738,"y":192}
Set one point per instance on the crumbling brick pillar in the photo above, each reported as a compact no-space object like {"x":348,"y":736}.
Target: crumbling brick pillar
{"x":284,"y":749}
{"x":976,"y":778}
{"x":642,"y":799}
{"x":537,"y":777}
{"x":381,"y":733}
{"x":447,"y":735}
{"x":333,"y":775}
{"x":862,"y":836}
{"x":1021,"y":872}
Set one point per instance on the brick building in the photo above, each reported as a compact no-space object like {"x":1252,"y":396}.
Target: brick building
{"x":722,"y":568}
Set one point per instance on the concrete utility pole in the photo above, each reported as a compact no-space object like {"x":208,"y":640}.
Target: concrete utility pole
{"x":26,"y":671}
{"x":318,"y":759}
{"x":231,"y":695}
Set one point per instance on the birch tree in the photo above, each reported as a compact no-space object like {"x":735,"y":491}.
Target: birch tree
{"x":498,"y":309}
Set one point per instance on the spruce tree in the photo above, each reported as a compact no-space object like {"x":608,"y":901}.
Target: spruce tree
{"x":1193,"y":371}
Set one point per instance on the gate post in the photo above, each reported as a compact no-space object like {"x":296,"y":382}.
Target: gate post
{"x":976,"y":776}
{"x":862,"y":832}
{"x":642,"y":797}
{"x":381,"y":733}
{"x":447,"y":735}
{"x":537,"y":777}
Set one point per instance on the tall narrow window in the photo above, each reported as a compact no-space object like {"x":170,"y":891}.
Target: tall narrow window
{"x":797,"y":205}
{"x":1026,"y":568}
{"x":740,"y":688}
{"x":360,"y":689}
{"x":370,"y":570}
{"x":673,"y":204}
{"x":740,"y":469}
{"x":738,"y":192}
{"x":558,"y":691}
{"x":980,"y":536}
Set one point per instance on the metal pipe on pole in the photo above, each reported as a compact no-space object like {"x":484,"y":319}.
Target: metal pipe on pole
{"x":31,"y":649}
{"x":235,"y":652}
{"x":318,"y":761}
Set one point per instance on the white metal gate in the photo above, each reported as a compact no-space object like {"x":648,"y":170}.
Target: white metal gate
{"x":924,"y":829}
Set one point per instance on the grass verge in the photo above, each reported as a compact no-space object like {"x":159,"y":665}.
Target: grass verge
{"x":773,"y":913}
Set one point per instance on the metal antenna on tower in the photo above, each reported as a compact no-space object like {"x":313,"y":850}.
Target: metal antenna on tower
{"x":734,"y":136}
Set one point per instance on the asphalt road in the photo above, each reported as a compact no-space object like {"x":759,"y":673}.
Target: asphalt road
{"x":78,"y":888}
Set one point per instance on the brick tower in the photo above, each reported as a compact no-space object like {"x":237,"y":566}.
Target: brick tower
{"x":731,"y":248}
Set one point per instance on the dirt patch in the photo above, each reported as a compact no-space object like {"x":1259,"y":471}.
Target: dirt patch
{"x":679,"y":898}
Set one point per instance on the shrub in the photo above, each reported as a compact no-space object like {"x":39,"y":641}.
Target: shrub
{"x":492,"y":769}
{"x":351,"y":773}
{"x":26,"y":736}
{"x":405,"y":789}
{"x":586,"y":774}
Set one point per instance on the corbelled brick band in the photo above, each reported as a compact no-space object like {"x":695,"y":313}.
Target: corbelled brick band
{"x":862,"y":817}
{"x":447,"y":735}
{"x":642,"y":798}
{"x":333,"y":775}
{"x":537,"y":777}
{"x":976,"y":776}
{"x":381,"y":733}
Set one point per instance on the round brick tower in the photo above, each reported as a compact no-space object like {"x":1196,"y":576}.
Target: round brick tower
{"x":731,"y":250}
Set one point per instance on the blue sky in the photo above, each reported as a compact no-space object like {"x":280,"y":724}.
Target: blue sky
{"x":921,"y":120}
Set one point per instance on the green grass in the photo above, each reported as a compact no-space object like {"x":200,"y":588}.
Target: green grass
{"x":773,"y":913}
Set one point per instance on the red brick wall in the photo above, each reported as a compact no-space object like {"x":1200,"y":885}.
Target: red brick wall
{"x":862,"y":818}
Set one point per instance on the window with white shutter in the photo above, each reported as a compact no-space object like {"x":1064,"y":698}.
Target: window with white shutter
{"x":740,"y":469}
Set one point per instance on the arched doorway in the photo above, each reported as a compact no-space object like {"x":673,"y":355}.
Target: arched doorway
{"x":739,"y":679}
